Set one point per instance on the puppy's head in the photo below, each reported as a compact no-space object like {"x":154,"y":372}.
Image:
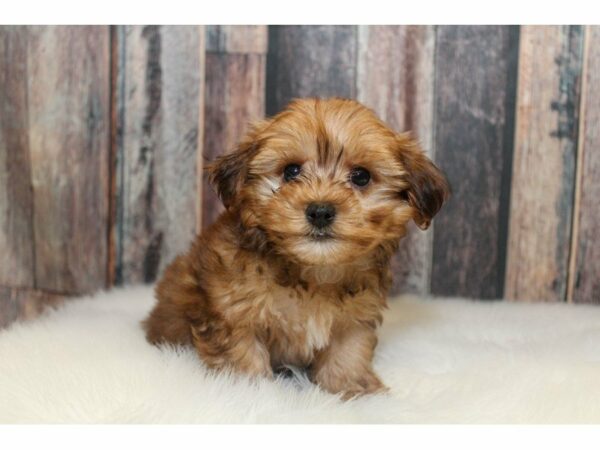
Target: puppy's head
{"x":327,"y":181}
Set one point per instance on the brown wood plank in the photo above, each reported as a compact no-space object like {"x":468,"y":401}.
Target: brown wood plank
{"x":234,"y":97}
{"x":68,"y":106}
{"x":114,"y":146}
{"x":25,"y":304}
{"x":308,"y":61}
{"x":237,"y":39}
{"x":474,"y":115}
{"x":585,"y":260}
{"x":395,"y":78}
{"x":16,"y":197}
{"x":543,"y":176}
{"x":157,"y":140}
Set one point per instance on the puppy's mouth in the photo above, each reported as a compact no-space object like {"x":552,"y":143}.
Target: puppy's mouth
{"x":320,"y":235}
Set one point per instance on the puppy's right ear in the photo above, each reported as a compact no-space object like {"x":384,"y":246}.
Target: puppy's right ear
{"x":228,"y":173}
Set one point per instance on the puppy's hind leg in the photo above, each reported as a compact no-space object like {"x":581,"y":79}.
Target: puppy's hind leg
{"x":165,"y":324}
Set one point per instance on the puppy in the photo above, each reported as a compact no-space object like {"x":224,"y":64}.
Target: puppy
{"x":296,"y":270}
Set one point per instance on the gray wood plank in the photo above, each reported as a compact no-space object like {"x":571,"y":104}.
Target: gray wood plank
{"x":16,"y":196}
{"x":474,"y":115}
{"x":307,"y":61}
{"x":157,"y":146}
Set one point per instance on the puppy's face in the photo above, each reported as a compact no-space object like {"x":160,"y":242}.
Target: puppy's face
{"x":328,"y":182}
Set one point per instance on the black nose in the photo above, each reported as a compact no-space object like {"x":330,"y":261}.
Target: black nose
{"x":320,"y":214}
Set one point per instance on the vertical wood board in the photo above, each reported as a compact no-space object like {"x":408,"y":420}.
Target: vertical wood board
{"x":246,"y":39}
{"x":543,"y":176}
{"x":475,"y":87}
{"x":235,"y":96}
{"x":310,"y":61}
{"x":16,"y":196}
{"x":68,"y":118}
{"x":160,"y":85}
{"x":395,"y":78}
{"x":585,"y":273}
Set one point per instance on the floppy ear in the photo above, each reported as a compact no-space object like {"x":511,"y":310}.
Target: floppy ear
{"x":228,"y":173}
{"x":428,"y":188}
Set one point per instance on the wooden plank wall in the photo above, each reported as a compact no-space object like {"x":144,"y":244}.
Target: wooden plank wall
{"x":473,"y":144}
{"x":68,"y":92}
{"x":158,"y":101}
{"x":235,"y":94}
{"x":395,"y":74}
{"x":584,"y":275}
{"x":543,"y":178}
{"x":54,"y":167}
{"x":310,"y":61}
{"x":16,"y":194}
{"x":104,"y":132}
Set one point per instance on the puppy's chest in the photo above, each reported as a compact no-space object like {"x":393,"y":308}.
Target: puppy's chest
{"x":296,"y":324}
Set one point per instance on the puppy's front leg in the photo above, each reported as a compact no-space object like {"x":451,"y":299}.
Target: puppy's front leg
{"x":344,"y":366}
{"x":238,"y":349}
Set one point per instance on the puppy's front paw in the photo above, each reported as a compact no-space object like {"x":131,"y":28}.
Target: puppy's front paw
{"x":352,"y":385}
{"x":364,"y":385}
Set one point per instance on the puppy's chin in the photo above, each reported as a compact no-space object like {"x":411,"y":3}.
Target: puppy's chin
{"x":322,"y":251}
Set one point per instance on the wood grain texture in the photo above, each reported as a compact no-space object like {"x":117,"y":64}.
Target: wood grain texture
{"x":157,"y":139}
{"x":16,"y":196}
{"x":115,"y":145}
{"x":237,"y":39}
{"x":234,"y":97}
{"x":395,"y":71}
{"x":475,"y":92}
{"x":309,"y":61}
{"x":543,"y":177}
{"x":585,"y":273}
{"x":25,"y":304}
{"x":68,"y":106}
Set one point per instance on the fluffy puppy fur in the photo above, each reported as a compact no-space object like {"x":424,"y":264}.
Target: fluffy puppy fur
{"x":267,"y":285}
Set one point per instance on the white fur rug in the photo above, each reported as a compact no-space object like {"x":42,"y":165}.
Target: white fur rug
{"x":445,"y":361}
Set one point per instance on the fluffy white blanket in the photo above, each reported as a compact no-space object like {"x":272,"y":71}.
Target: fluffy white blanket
{"x":445,"y":361}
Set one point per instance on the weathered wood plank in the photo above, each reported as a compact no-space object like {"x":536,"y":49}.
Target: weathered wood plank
{"x":116,"y":142}
{"x":158,"y":137}
{"x":235,"y":90}
{"x":237,"y":39}
{"x":235,"y":96}
{"x":395,"y":78}
{"x":16,"y":197}
{"x":585,"y":260}
{"x":68,"y":106}
{"x":475,"y":91}
{"x":308,"y":61}
{"x":24,"y":304}
{"x":543,"y":176}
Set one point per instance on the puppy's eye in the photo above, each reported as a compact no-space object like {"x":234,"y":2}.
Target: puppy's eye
{"x":291,"y":171}
{"x":360,"y":176}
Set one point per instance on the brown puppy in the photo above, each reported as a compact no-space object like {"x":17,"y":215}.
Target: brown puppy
{"x":296,"y":271}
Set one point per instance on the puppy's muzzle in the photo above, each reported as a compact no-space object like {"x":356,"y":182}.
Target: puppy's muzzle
{"x":320,"y":215}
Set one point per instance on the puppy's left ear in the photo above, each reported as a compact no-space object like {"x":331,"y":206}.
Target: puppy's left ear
{"x":428,"y":188}
{"x":228,"y":173}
